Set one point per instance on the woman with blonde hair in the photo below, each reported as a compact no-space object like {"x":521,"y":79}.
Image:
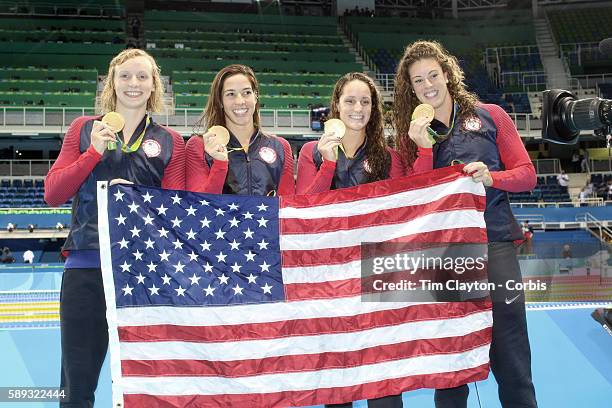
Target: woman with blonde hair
{"x":251,"y":161}
{"x":141,"y":152}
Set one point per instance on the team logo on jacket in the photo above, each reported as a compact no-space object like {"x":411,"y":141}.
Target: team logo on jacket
{"x":472,"y":124}
{"x":267,"y":154}
{"x":366,"y":166}
{"x":151,"y":148}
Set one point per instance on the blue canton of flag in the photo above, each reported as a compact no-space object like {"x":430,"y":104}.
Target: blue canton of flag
{"x":175,"y":248}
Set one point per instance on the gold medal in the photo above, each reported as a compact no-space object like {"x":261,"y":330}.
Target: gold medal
{"x":116,"y":123}
{"x":424,"y":110}
{"x":221,"y":133}
{"x":335,"y":126}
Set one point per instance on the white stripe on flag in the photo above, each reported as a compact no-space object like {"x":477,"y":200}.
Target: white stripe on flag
{"x":368,"y":205}
{"x":322,"y":273}
{"x":297,"y":381}
{"x":431,"y":222}
{"x":313,"y":344}
{"x":251,"y":313}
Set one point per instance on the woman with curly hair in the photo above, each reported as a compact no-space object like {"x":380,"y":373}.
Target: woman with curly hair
{"x":252,"y":162}
{"x":361,"y":155}
{"x":484,"y":137}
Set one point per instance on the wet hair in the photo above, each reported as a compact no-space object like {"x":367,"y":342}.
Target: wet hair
{"x":405,"y":99}
{"x":379,"y":159}
{"x":109,"y":98}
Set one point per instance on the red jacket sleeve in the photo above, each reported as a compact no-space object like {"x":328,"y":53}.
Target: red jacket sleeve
{"x":311,"y":180}
{"x":174,"y":173}
{"x":286,"y":186}
{"x":198,"y":176}
{"x":519,"y":174}
{"x":423,"y":162}
{"x":71,"y":168}
{"x":397,"y":165}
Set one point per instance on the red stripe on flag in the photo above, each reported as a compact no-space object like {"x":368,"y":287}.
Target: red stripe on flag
{"x":301,"y":327}
{"x":307,"y":362}
{"x":312,"y":397}
{"x":376,"y":189}
{"x":335,"y":256}
{"x":464,"y":201}
{"x":323,"y":290}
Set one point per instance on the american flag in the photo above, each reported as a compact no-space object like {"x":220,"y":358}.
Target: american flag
{"x":238,"y":301}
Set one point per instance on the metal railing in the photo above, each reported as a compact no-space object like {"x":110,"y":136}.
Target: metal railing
{"x":547,"y":166}
{"x":25,"y":168}
{"x":591,"y":202}
{"x":605,"y":233}
{"x":180,"y":117}
{"x":386,"y":81}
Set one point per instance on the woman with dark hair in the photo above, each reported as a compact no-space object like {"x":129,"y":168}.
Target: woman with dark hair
{"x":149,"y":154}
{"x":484,"y":137}
{"x":252,"y":162}
{"x":361,"y":155}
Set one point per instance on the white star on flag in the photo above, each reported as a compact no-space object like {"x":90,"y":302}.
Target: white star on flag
{"x":209,"y":290}
{"x":176,"y":223}
{"x":161,"y":210}
{"x":179,"y":267}
{"x":133,"y":207}
{"x":147,"y":197}
{"x":164,"y":256}
{"x":148,"y":220}
{"x":121,"y":220}
{"x":205,"y":223}
{"x":135,"y":232}
{"x":265,"y":267}
{"x":177,"y":244}
{"x":123,"y":243}
{"x":221,"y":257}
{"x":176,"y":199}
{"x":127,"y":290}
{"x":190,"y":211}
{"x":119,"y":196}
{"x":149,"y":243}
